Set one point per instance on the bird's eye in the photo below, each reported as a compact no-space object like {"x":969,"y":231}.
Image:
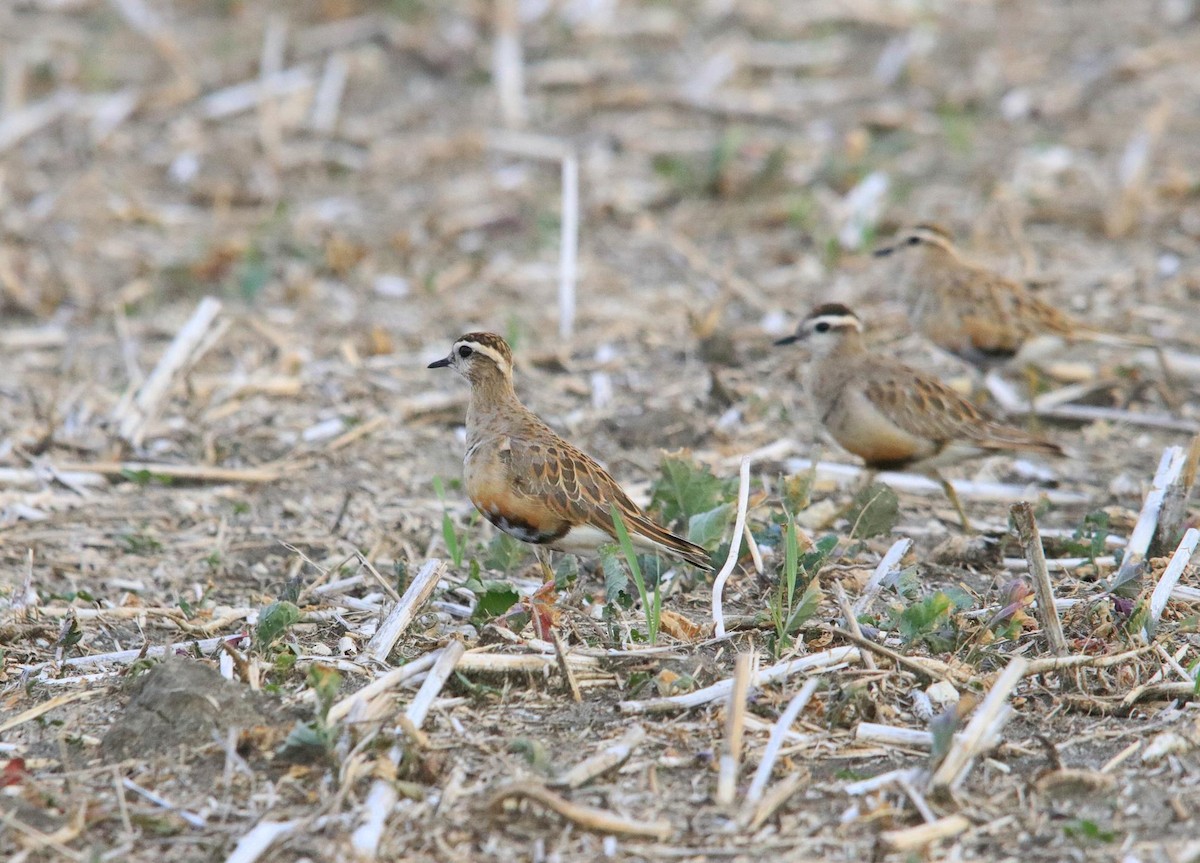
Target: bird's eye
{"x":465,"y":351}
{"x":912,"y":241}
{"x":822,"y":327}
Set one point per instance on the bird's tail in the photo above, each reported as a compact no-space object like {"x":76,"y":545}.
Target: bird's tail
{"x":658,"y":537}
{"x":1004,"y":437}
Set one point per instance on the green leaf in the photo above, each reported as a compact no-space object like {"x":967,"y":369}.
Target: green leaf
{"x":495,"y":598}
{"x":1090,"y":831}
{"x":451,"y":538}
{"x":325,"y":681}
{"x":874,"y":511}
{"x":566,"y":571}
{"x":274,"y":621}
{"x":816,"y":557}
{"x":307,"y":742}
{"x":651,"y":604}
{"x":449,"y":534}
{"x":686,"y":488}
{"x":534,"y":752}
{"x":72,"y":636}
{"x":922,"y":618}
{"x":616,"y":580}
{"x":705,"y":528}
{"x":505,"y":553}
{"x":1088,"y":539}
{"x":253,"y":274}
{"x":810,"y":602}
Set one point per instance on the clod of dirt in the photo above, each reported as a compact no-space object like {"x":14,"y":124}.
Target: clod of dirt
{"x":971,"y":550}
{"x":181,"y":702}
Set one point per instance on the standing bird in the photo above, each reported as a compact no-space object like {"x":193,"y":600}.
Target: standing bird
{"x":528,"y":481}
{"x":979,"y":315}
{"x":891,"y":415}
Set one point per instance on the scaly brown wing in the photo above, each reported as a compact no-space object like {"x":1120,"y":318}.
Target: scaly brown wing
{"x":1001,"y":314}
{"x":928,"y":408}
{"x":570,"y":484}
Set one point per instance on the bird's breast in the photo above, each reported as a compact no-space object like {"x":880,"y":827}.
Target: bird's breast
{"x":499,"y":498}
{"x":860,"y":427}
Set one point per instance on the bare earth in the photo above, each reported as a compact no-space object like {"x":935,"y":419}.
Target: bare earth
{"x":360,"y":206}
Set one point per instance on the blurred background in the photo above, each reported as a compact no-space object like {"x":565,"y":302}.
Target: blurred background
{"x":640,"y":194}
{"x":359,"y":182}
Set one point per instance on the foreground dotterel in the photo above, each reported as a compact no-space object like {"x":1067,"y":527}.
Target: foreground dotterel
{"x":528,"y":481}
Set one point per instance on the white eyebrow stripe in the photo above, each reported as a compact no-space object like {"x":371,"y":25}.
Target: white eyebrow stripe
{"x":490,"y":352}
{"x":839,"y":321}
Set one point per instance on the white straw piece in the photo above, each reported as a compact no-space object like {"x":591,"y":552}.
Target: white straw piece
{"x":568,"y":254}
{"x":1168,"y":580}
{"x":735,"y":549}
{"x":779,"y":730}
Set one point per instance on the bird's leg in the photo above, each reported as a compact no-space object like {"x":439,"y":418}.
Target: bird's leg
{"x":953,"y":496}
{"x":1032,"y":380}
{"x":543,"y":556}
{"x":1166,"y":386}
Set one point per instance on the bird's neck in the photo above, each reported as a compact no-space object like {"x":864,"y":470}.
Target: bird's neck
{"x":849,"y":346}
{"x":492,"y":406}
{"x":828,"y":371}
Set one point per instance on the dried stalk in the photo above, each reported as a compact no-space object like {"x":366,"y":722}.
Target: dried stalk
{"x":1167,"y":581}
{"x":611,"y":756}
{"x":778,"y":734}
{"x":843,"y":601}
{"x":383,"y":796}
{"x":921,"y":667}
{"x":587,"y":817}
{"x":735,"y":726}
{"x":568,"y":252}
{"x":384,"y":683}
{"x":916,"y":838}
{"x":45,"y":707}
{"x":890,"y":735}
{"x":1027,"y":532}
{"x":560,"y":653}
{"x":916,"y":484}
{"x":184,"y":472}
{"x":886,"y":566}
{"x":328,"y":99}
{"x":1174,"y":508}
{"x":261,"y":837}
{"x":478,"y":660}
{"x":979,"y":731}
{"x":814,"y":663}
{"x":403,"y":612}
{"x":139,"y":408}
{"x":1170,"y":465}
{"x":508,"y":64}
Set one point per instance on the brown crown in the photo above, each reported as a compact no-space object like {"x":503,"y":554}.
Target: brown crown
{"x":831,"y":309}
{"x":489,"y":340}
{"x":934,"y":228}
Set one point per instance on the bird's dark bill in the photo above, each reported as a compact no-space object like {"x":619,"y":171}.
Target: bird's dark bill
{"x":787,"y":340}
{"x":444,"y":362}
{"x":883,"y":252}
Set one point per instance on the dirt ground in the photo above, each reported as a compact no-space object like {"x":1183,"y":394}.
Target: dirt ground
{"x":194,"y":564}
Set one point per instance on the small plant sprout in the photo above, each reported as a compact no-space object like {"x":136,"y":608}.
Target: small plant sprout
{"x":315,"y":739}
{"x":454,"y":545}
{"x":273,"y":621}
{"x":651,"y":603}
{"x":789,"y":612}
